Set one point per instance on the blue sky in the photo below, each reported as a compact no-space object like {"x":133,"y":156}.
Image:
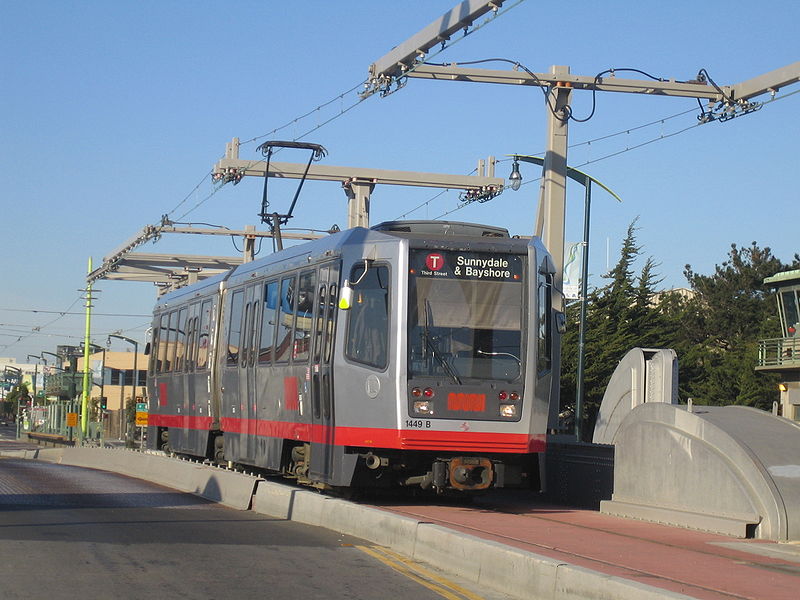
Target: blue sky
{"x":112,"y":112}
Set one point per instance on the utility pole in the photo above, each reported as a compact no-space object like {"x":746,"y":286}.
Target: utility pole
{"x":407,"y":59}
{"x":87,"y":388}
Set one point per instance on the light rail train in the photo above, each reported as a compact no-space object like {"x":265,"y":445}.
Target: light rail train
{"x":414,"y":353}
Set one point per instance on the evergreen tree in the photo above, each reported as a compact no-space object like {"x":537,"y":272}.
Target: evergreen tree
{"x":731,"y":311}
{"x":18,"y":394}
{"x":715,"y":333}
{"x":620,"y":316}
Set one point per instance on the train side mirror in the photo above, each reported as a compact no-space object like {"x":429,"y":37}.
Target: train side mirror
{"x":346,"y":293}
{"x":147,"y":349}
{"x":561,"y":322}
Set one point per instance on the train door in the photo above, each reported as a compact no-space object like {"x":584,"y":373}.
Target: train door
{"x":247,"y":372}
{"x":322,"y":404}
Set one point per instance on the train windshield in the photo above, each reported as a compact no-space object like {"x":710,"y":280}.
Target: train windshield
{"x":465,"y":315}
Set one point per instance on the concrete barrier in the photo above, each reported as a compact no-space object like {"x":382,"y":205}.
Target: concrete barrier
{"x":218,"y":485}
{"x":508,"y":570}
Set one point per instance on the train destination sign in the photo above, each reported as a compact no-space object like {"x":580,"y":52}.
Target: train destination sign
{"x":467,"y":265}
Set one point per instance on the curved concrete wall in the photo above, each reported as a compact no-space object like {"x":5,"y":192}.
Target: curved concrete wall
{"x":643,"y":375}
{"x":729,"y":469}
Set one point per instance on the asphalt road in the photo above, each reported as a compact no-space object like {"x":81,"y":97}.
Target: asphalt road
{"x":68,"y":532}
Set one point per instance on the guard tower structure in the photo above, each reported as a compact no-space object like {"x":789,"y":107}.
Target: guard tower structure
{"x":782,"y":355}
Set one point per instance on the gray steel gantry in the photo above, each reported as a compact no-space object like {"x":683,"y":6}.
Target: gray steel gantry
{"x":406,"y":60}
{"x":358,"y":182}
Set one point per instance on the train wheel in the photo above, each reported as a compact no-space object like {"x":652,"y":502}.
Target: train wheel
{"x":163,"y":442}
{"x":219,"y":449}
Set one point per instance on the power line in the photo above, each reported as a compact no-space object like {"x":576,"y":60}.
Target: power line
{"x":64,"y":313}
{"x":308,"y":114}
{"x":630,"y":148}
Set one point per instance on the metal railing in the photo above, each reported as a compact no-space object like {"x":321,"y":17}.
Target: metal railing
{"x":779,"y":352}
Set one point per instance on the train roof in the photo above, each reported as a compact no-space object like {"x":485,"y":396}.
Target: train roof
{"x":444,"y":228}
{"x":331,"y":245}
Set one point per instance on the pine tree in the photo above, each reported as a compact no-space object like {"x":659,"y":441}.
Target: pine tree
{"x":731,"y":312}
{"x":620,"y":317}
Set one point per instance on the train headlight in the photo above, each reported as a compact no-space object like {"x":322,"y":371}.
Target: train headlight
{"x":416,"y":392}
{"x":423,"y":407}
{"x":508,"y":410}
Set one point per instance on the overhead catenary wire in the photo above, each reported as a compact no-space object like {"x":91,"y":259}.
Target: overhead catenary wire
{"x":629,"y":148}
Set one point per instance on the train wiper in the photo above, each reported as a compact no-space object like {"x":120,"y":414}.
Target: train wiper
{"x":431,"y":345}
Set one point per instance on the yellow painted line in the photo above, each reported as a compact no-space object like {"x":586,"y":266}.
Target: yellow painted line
{"x":423,"y":571}
{"x":445,"y":588}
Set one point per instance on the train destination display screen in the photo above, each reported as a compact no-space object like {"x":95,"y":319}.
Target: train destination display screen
{"x":466,"y":265}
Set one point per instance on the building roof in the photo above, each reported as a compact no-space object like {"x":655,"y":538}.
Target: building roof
{"x":783,"y":278}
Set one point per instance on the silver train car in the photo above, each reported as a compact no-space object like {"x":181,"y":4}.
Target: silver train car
{"x":414,"y":353}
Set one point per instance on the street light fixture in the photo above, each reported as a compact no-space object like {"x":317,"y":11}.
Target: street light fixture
{"x":515,"y":179}
{"x":118,"y":335}
{"x":586,"y":181}
{"x":35,"y":376}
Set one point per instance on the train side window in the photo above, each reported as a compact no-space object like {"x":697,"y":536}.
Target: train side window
{"x":235,"y":327}
{"x":169,"y":358}
{"x":180,"y":339}
{"x":368,"y":319}
{"x":191,"y":334}
{"x":191,"y":337}
{"x":203,"y":338}
{"x":304,"y":316}
{"x":333,"y":296}
{"x":544,"y":317}
{"x":283,"y":349}
{"x":267,"y":345}
{"x":163,"y":340}
{"x":155,"y":363}
{"x":319,"y":320}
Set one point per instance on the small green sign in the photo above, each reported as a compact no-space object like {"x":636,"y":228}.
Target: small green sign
{"x":141,"y":407}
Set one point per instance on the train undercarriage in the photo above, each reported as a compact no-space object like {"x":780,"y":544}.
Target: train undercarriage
{"x":435,"y":472}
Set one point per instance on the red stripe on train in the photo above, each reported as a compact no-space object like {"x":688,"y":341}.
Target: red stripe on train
{"x":403,"y":439}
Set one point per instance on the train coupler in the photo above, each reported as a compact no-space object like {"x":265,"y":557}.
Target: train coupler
{"x":463,"y":473}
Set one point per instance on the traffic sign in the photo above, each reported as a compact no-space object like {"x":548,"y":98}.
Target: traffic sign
{"x":141,"y":419}
{"x":141,"y":407}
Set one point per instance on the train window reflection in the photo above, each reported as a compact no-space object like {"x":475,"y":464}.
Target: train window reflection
{"x":368,"y":319}
{"x":235,"y":327}
{"x":180,"y":339}
{"x":285,"y":320}
{"x":268,"y":323}
{"x":169,"y":347}
{"x":204,"y":333}
{"x":305,"y":314}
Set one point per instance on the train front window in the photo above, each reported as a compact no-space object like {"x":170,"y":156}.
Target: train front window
{"x":465,"y":315}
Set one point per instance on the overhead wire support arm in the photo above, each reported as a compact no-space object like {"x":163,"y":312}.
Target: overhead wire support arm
{"x":767,"y":83}
{"x":358,"y":182}
{"x":410,"y":53}
{"x":452,"y":72}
